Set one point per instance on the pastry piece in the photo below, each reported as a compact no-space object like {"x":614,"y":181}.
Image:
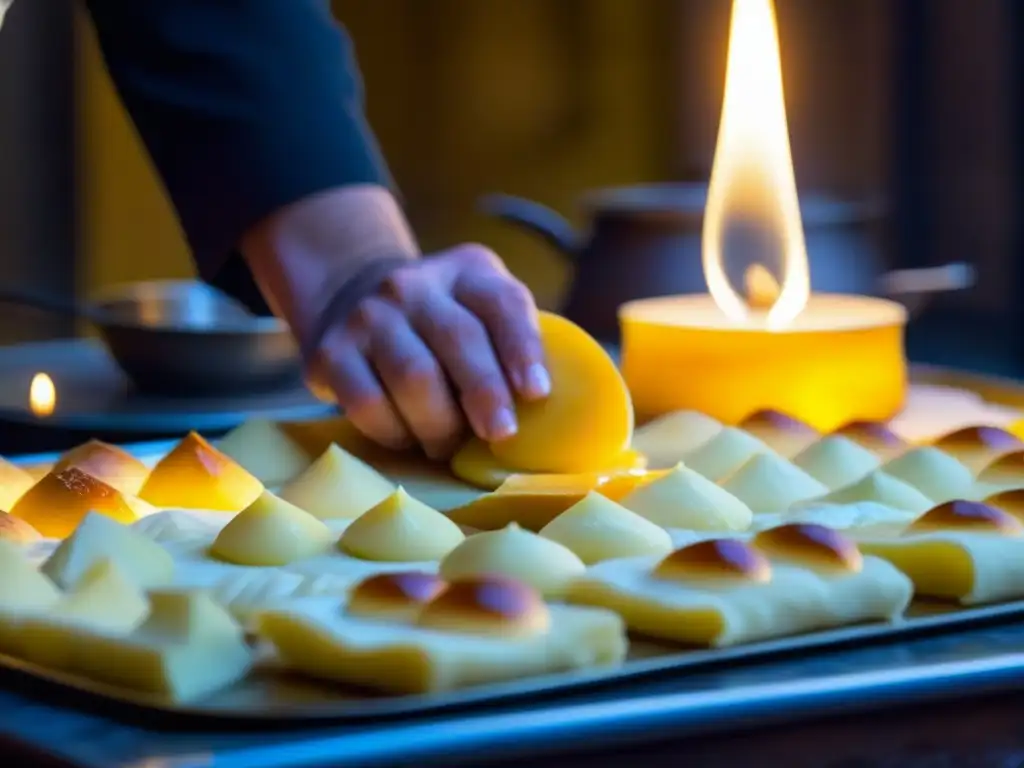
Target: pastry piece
{"x":531,"y":501}
{"x":880,"y":488}
{"x":109,"y":463}
{"x":271,"y":532}
{"x":265,"y":451}
{"x":1011,"y":502}
{"x":59,"y":501}
{"x":769,"y":483}
{"x":543,"y":564}
{"x":977,"y":447}
{"x":337,"y":486}
{"x":724,"y":453}
{"x":874,"y":436}
{"x":934,"y":473}
{"x":667,"y":439}
{"x":17,"y":530}
{"x":98,"y":538}
{"x":475,"y":464}
{"x":597,"y":528}
{"x":811,"y":546}
{"x":22,"y":586}
{"x":474,"y":632}
{"x":14,"y":483}
{"x":1006,"y":472}
{"x":394,"y":596}
{"x":586,"y":422}
{"x":401,"y":529}
{"x":195,"y":475}
{"x":723,"y":592}
{"x":836,"y":461}
{"x":783,"y":434}
{"x":103,"y":599}
{"x":963,"y":551}
{"x":187,"y":648}
{"x":682,"y":498}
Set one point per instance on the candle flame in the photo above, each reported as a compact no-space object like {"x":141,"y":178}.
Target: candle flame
{"x":42,"y":395}
{"x":752,"y":182}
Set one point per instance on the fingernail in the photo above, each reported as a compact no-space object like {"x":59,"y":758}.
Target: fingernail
{"x":538,"y":381}
{"x":503,"y":424}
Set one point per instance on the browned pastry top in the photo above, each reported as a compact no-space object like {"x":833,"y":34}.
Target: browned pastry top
{"x":871,"y":433}
{"x":488,"y":604}
{"x":15,"y":529}
{"x":394,"y":594}
{"x":966,"y":516}
{"x":985,"y":437}
{"x":776,"y":421}
{"x":715,"y":559}
{"x":812,"y":545}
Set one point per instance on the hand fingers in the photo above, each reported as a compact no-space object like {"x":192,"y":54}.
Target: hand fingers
{"x":359,"y":393}
{"x":507,"y":310}
{"x":414,"y":379}
{"x":461,"y":344}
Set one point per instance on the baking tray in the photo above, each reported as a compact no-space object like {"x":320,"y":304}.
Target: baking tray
{"x":274,"y":698}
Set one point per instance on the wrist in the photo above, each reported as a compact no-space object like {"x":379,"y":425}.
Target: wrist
{"x":312,"y":257}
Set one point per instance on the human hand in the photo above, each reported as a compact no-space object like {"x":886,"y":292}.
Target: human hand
{"x":448,"y":339}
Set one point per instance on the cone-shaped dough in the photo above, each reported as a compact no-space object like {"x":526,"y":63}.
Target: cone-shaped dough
{"x":337,"y":485}
{"x":881,"y":488}
{"x":195,"y":475}
{"x":545,"y":565}
{"x":683,"y":498}
{"x":401,"y":529}
{"x":14,"y":483}
{"x":837,"y":461}
{"x":265,"y":451}
{"x":271,"y":532}
{"x":97,"y":538}
{"x":667,"y":439}
{"x":724,"y":453}
{"x":934,"y":473}
{"x":769,"y":483}
{"x":597,"y":528}
{"x":109,"y":463}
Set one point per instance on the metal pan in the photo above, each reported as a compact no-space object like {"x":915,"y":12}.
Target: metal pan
{"x":182,"y":337}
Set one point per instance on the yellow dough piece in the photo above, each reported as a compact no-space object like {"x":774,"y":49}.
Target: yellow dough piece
{"x":667,"y":439}
{"x":14,"y":483}
{"x":586,"y":421}
{"x":837,"y":461}
{"x":60,"y":501}
{"x":682,"y":498}
{"x":109,"y":463}
{"x":544,"y":564}
{"x":531,"y":501}
{"x":195,"y":475}
{"x":475,"y":464}
{"x":187,"y":648}
{"x":98,"y":538}
{"x":769,"y":483}
{"x":724,"y":453}
{"x":22,"y":586}
{"x":881,"y":488}
{"x":1007,"y":471}
{"x":782,"y":433}
{"x":876,"y":437}
{"x":271,"y":532}
{"x":968,"y":552}
{"x":401,"y":529}
{"x":338,"y":486}
{"x":265,"y":451}
{"x":724,"y":592}
{"x":977,"y":447}
{"x":597,"y":528}
{"x":103,"y":599}
{"x":937,"y":475}
{"x":472,"y":633}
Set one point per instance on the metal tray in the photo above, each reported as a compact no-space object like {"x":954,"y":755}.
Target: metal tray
{"x":276,"y":699}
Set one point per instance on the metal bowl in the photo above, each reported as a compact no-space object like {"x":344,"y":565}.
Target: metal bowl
{"x":183,"y":337}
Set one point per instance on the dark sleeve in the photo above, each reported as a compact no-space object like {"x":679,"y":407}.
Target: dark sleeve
{"x":244,"y":105}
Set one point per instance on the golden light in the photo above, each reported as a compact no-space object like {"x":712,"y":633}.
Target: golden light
{"x":42,"y":395}
{"x":753,"y":188}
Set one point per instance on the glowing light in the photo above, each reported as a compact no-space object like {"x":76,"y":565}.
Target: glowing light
{"x":42,"y":395}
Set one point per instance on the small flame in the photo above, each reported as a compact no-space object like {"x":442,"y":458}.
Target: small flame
{"x":752,"y":182}
{"x":42,"y":395}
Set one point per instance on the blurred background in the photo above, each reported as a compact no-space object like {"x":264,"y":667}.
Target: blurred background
{"x":915,"y":103}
